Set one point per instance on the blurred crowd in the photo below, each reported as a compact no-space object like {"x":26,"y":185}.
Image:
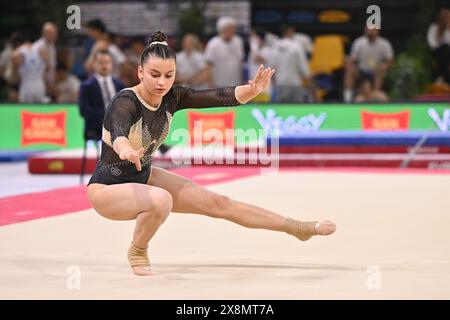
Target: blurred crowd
{"x":36,"y":72}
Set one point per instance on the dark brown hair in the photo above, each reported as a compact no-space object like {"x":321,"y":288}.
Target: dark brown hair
{"x":157,"y":49}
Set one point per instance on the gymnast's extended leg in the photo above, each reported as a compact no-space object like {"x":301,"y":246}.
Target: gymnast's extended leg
{"x":189,"y":197}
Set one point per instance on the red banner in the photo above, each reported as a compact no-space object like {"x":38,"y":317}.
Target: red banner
{"x":44,"y":128}
{"x":208,"y":128}
{"x":372,"y":121}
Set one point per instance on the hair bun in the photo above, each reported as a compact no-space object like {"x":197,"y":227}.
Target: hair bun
{"x":157,"y":36}
{"x":159,"y":48}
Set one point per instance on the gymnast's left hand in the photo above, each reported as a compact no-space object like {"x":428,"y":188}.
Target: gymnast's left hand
{"x":261,"y":80}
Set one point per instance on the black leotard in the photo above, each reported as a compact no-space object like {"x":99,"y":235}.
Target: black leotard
{"x":129,"y":116}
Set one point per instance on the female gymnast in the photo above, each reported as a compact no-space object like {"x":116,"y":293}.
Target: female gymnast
{"x":125,"y":186}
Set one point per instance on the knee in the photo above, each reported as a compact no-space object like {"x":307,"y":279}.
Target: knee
{"x":161,"y":204}
{"x":221,"y":202}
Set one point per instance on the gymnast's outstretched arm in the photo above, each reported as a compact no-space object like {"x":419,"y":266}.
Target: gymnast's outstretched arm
{"x":228,"y":96}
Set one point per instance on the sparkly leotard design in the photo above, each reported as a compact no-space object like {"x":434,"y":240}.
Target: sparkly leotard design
{"x":146,"y":127}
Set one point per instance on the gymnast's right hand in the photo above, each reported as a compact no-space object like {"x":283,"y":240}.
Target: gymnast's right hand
{"x":133,"y":156}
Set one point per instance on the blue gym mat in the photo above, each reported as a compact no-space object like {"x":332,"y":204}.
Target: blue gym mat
{"x":358,"y":138}
{"x":16,"y":155}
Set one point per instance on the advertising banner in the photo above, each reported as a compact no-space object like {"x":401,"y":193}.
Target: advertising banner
{"x":47,"y":127}
{"x":43,"y":128}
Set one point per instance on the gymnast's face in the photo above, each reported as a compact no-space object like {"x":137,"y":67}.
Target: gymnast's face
{"x":157,"y":75}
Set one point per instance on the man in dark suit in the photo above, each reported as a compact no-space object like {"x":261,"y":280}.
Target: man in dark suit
{"x":96,"y":93}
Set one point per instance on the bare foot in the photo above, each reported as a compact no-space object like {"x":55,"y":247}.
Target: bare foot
{"x":143,"y":271}
{"x":325,"y":227}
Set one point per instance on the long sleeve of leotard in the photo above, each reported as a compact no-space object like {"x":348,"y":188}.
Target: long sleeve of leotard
{"x":190,"y":98}
{"x":120,"y":116}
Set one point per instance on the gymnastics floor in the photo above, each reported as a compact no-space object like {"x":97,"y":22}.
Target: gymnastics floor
{"x":392,"y":241}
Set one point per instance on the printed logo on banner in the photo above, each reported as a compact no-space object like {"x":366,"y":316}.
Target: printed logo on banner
{"x":56,"y":165}
{"x":291,"y":125}
{"x":49,"y":128}
{"x":207,"y":128}
{"x":374,"y":121}
{"x":442,"y":123}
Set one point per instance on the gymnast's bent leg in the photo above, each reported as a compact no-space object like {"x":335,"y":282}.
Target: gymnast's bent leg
{"x":189,"y":197}
{"x":149,"y":205}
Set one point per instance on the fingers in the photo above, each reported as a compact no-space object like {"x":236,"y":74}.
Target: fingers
{"x":267,"y":74}
{"x":260,"y":69}
{"x":270,"y":73}
{"x":264,"y":73}
{"x":137,"y":162}
{"x":258,"y":73}
{"x":134,"y":157}
{"x":262,"y":79}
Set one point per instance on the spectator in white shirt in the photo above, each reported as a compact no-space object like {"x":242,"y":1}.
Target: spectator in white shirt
{"x":191,"y":64}
{"x":260,"y":53}
{"x":306,"y":42}
{"x":439,"y":41}
{"x":303,"y":39}
{"x":224,"y":54}
{"x":370,"y":56}
{"x":30,"y":64}
{"x":47,"y":43}
{"x":293,"y":73}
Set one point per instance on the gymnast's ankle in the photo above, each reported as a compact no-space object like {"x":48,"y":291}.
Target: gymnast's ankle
{"x":138,"y":259}
{"x":304,"y":230}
